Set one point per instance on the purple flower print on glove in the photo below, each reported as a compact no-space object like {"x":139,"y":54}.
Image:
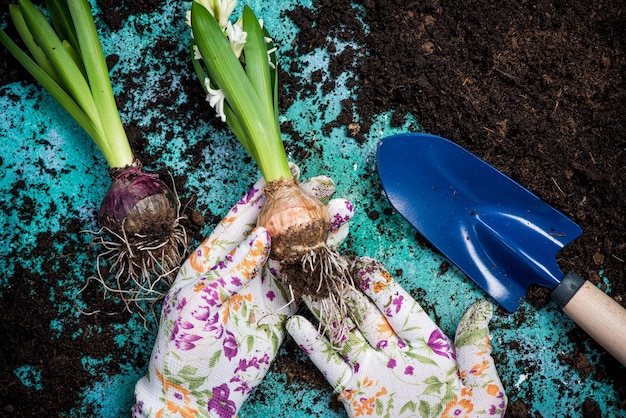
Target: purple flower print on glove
{"x":210,"y":292}
{"x":440,"y":344}
{"x":249,"y":197}
{"x":230,"y":345}
{"x":255,"y":362}
{"x":220,"y":403}
{"x":183,"y":340}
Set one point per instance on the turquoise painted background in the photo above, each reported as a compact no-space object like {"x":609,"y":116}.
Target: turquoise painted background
{"x":75,"y":178}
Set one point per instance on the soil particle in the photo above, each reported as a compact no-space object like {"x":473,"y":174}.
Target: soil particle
{"x":591,"y":409}
{"x":517,"y":409}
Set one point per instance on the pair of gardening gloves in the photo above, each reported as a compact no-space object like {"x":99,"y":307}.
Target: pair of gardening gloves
{"x":227,"y":314}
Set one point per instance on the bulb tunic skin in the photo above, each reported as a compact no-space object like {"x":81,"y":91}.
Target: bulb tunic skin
{"x":297,"y":222}
{"x":138,"y":203}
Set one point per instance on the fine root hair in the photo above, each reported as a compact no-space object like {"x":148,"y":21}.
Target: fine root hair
{"x":329,"y":272}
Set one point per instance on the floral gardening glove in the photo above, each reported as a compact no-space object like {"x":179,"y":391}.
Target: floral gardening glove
{"x":223,"y":319}
{"x":393,"y":360}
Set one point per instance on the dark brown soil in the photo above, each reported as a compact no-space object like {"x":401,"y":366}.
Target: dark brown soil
{"x":536,"y":88}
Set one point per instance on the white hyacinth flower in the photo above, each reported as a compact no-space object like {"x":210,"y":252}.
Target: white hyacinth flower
{"x":196,"y":53}
{"x":269,"y":57}
{"x":220,"y":9}
{"x":236,"y":37}
{"x":269,"y":51}
{"x":215,"y":97}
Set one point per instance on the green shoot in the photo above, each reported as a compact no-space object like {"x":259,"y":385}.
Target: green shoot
{"x":248,"y":85}
{"x":241,"y":84}
{"x":68,"y":61}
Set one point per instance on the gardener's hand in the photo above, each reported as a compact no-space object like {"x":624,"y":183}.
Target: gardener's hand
{"x":223,"y":319}
{"x":395,"y":362}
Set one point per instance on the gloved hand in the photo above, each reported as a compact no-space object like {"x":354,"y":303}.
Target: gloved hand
{"x":222,"y":321}
{"x":393,"y":360}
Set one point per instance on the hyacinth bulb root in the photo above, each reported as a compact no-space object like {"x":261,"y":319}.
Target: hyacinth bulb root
{"x":142,"y":239}
{"x":299,"y":225}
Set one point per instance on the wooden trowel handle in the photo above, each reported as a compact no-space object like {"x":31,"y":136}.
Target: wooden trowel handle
{"x":595,"y":312}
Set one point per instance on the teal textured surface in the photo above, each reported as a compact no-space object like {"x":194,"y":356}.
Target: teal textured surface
{"x":65,"y":177}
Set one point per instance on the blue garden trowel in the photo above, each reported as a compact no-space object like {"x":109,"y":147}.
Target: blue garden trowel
{"x":497,"y":232}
